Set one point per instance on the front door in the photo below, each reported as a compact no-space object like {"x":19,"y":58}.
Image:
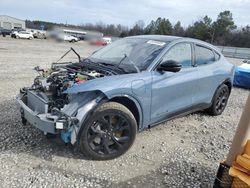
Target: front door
{"x":173,"y":93}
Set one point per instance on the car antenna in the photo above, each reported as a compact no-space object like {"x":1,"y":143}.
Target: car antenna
{"x":131,"y":62}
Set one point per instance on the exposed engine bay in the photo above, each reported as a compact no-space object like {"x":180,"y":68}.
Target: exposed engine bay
{"x":51,"y":83}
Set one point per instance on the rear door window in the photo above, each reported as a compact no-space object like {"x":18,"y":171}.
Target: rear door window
{"x":203,"y":55}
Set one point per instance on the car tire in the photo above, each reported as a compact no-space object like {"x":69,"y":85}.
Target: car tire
{"x":108,"y":132}
{"x":30,"y":38}
{"x":219,"y":101}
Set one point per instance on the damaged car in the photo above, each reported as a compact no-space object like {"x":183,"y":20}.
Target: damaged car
{"x":100,"y":103}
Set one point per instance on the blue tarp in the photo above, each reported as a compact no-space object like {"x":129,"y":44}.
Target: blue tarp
{"x":242,"y":76}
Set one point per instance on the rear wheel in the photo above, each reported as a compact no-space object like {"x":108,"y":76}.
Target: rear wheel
{"x":109,"y":132}
{"x":219,"y":101}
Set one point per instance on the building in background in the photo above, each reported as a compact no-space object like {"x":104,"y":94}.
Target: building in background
{"x":8,"y":22}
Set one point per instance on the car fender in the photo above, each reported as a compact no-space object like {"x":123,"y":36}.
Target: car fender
{"x":83,"y":103}
{"x":135,"y":87}
{"x":85,"y":110}
{"x":80,"y":106}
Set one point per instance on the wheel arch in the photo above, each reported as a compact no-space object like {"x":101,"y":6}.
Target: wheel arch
{"x":133,"y":106}
{"x":228,"y":83}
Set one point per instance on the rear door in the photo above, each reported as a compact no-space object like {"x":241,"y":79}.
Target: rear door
{"x":172,"y":93}
{"x":208,"y":72}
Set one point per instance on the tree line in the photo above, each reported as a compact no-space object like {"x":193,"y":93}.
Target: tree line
{"x":222,"y":31}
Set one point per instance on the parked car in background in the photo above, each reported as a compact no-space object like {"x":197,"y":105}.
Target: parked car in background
{"x":4,"y":32}
{"x":39,"y":35}
{"x":63,"y":37}
{"x":70,"y":38}
{"x":101,"y":102}
{"x":108,"y":40}
{"x":23,"y":35}
{"x":98,"y":42}
{"x":15,"y":31}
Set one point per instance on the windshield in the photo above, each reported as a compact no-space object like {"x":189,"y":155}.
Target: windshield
{"x":138,"y":50}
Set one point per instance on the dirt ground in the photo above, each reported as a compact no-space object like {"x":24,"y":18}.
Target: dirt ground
{"x":183,"y":152}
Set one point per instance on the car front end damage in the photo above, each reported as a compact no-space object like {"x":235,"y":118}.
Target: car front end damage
{"x":66,"y":121}
{"x":49,"y":106}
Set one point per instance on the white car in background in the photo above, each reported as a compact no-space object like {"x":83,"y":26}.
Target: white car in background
{"x":24,"y":35}
{"x":108,"y":40}
{"x":70,"y":38}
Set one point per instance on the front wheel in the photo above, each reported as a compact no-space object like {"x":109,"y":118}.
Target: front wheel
{"x":108,"y":133}
{"x":219,"y":100}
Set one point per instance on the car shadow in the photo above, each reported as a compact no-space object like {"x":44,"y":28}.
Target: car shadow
{"x":169,"y":175}
{"x":19,"y":138}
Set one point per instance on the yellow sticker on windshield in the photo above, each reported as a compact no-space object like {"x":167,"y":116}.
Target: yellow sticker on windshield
{"x":155,"y":42}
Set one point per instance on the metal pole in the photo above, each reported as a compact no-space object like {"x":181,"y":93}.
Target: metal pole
{"x":241,"y":136}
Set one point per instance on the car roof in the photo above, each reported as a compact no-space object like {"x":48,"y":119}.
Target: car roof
{"x":164,"y":38}
{"x":169,"y":38}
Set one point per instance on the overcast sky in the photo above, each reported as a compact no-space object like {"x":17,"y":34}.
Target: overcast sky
{"x":126,"y":12}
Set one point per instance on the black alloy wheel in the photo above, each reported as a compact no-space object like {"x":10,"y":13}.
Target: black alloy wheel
{"x":220,"y":100}
{"x":109,"y":132}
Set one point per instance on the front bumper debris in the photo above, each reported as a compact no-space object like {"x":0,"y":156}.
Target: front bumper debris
{"x":34,"y":109}
{"x":34,"y":116}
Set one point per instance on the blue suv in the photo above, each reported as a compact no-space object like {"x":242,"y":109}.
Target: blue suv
{"x":101,"y":102}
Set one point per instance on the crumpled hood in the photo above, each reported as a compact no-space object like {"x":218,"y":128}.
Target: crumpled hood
{"x":104,"y":84}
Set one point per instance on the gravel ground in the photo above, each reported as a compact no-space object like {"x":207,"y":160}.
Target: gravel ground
{"x":183,"y":152}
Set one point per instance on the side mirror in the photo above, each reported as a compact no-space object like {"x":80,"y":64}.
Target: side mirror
{"x":169,"y":65}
